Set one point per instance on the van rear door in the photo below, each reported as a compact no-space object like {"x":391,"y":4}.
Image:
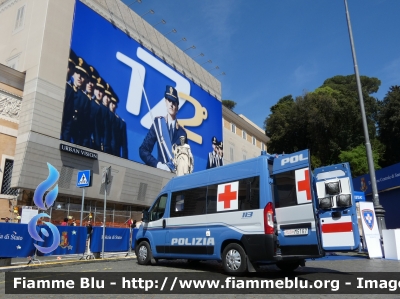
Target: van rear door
{"x":336,"y":208}
{"x":294,"y":207}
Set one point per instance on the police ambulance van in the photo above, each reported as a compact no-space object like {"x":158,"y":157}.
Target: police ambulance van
{"x":270,"y":209}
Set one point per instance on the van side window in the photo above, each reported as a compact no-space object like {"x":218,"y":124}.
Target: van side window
{"x":158,"y":209}
{"x":188,"y":202}
{"x":285,"y":189}
{"x":249,"y":195}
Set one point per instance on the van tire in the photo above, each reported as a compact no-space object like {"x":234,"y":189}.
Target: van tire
{"x":143,"y":253}
{"x":288,"y":266}
{"x":234,"y":259}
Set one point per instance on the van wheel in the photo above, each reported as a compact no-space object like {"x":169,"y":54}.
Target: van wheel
{"x":143,"y":253}
{"x":288,"y":266}
{"x":234,"y":259}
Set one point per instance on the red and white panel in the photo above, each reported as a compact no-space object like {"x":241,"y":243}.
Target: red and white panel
{"x":228,"y":197}
{"x":303,"y":189}
{"x":337,"y":232}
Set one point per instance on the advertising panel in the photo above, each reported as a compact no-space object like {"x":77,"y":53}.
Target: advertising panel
{"x":123,"y":100}
{"x":386,"y":178}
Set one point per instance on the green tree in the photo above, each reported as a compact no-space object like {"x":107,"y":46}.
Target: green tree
{"x":357,"y":157}
{"x":389,"y":126}
{"x":327,"y":121}
{"x":229,"y":104}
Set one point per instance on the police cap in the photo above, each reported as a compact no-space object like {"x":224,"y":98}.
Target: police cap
{"x":81,"y":66}
{"x":93,"y":74}
{"x":73,"y":58}
{"x":110,"y":91}
{"x":171,"y":94}
{"x":100,"y":84}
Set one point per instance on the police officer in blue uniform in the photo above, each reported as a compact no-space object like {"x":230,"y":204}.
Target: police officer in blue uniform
{"x":119,"y":142}
{"x":220,"y":147}
{"x":99,"y":119}
{"x":165,"y":131}
{"x":213,"y":156}
{"x":76,"y":105}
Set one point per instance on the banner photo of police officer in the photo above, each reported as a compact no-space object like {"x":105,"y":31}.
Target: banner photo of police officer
{"x":123,"y":100}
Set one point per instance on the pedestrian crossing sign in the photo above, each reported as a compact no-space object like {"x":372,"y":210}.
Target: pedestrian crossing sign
{"x":83,"y":179}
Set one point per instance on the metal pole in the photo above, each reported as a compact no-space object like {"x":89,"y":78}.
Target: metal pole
{"x":104,"y":219}
{"x":69,"y":199}
{"x":105,"y":178}
{"x":83,"y":201}
{"x":379,"y":211}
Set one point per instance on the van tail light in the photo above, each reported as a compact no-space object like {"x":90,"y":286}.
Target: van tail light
{"x":269,"y":219}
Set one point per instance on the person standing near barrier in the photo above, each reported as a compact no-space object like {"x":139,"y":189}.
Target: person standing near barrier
{"x":65,"y":222}
{"x":89,"y":229}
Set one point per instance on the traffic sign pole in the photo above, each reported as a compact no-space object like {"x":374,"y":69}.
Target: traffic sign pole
{"x":83,"y":180}
{"x":83,"y":203}
{"x":105,"y":179}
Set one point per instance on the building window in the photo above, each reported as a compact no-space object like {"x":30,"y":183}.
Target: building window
{"x":231,"y":153}
{"x":244,"y":134}
{"x":244,"y":157}
{"x":233,"y":128}
{"x":263,"y":146}
{"x":254,"y":140}
{"x":19,"y":22}
{"x":6,"y":183}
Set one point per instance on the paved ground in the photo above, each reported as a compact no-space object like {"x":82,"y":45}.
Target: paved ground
{"x":343,"y":263}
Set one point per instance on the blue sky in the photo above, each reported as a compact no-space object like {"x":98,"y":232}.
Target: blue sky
{"x":269,"y":49}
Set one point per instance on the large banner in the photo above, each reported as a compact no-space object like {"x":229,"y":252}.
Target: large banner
{"x":123,"y":100}
{"x":386,"y":178}
{"x":15,"y":240}
{"x":116,"y":239}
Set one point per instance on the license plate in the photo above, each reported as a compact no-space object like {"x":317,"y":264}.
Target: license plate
{"x":295,"y":232}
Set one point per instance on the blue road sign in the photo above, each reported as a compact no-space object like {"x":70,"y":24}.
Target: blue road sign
{"x":83,"y":179}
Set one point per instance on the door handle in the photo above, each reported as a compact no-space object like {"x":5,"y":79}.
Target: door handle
{"x":164,"y":223}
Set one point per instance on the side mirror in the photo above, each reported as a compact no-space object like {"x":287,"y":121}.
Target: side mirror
{"x":146,"y":217}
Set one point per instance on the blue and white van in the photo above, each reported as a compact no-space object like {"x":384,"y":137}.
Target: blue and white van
{"x":270,"y":209}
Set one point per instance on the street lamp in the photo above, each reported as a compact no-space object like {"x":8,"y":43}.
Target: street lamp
{"x":192,"y":47}
{"x":172,"y":31}
{"x":150,"y":11}
{"x":222,"y":74}
{"x":162,"y":21}
{"x":138,"y":1}
{"x":214,"y":68}
{"x":208,"y":61}
{"x":200,"y":55}
{"x":182,"y":39}
{"x":379,"y":210}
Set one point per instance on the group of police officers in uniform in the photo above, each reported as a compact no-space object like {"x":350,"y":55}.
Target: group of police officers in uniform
{"x":215,"y":158}
{"x":89,"y":117}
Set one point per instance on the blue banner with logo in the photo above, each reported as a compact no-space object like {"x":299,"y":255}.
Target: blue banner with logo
{"x":386,"y":178}
{"x":110,"y":89}
{"x":72,"y":240}
{"x":116,"y":239}
{"x":15,"y":240}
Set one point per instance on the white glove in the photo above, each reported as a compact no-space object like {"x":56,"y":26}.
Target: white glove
{"x":163,"y":166}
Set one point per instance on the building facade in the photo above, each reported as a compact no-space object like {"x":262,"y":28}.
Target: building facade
{"x":37,"y":39}
{"x":242,"y":138}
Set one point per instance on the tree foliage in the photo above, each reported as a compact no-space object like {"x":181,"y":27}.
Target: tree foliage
{"x":326,"y":121}
{"x":357,"y":157}
{"x":389,"y":126}
{"x":229,"y":104}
